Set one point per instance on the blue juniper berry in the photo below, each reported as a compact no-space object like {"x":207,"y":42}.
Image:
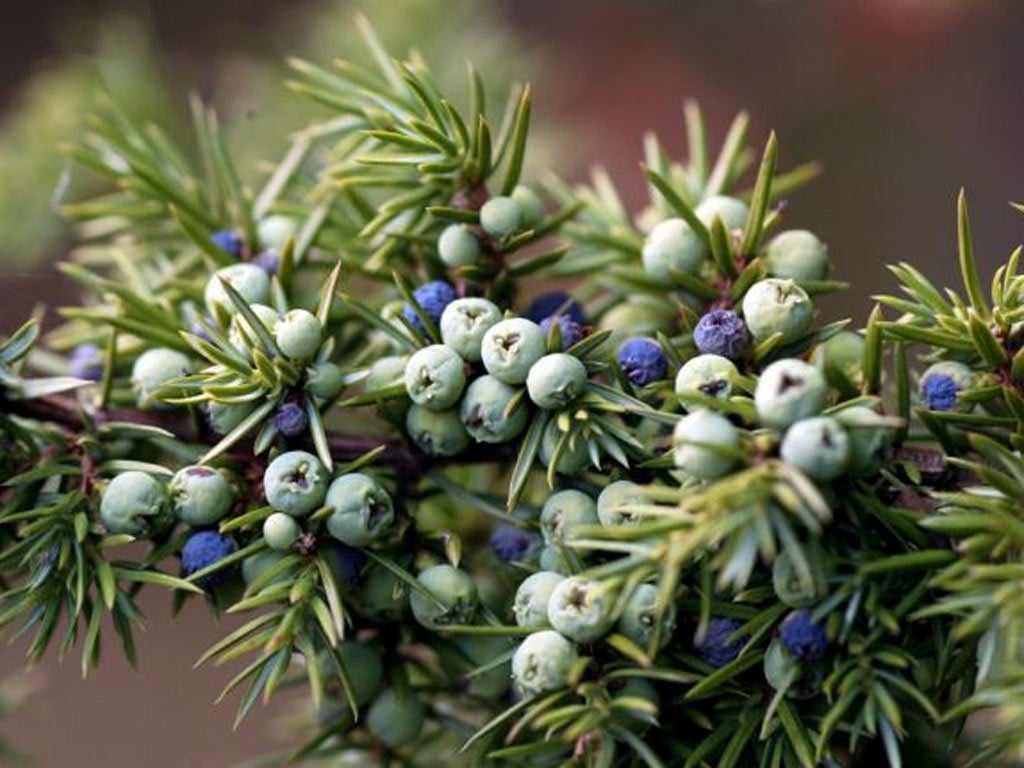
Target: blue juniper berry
{"x":715,"y":648}
{"x":199,"y":329}
{"x":804,"y":638}
{"x":721,"y":332}
{"x":554,"y":303}
{"x":571,"y":331}
{"x":87,"y":362}
{"x":942,"y":383}
{"x":346,"y":563}
{"x":202,"y":550}
{"x":939,"y":392}
{"x":432,"y":297}
{"x":268,"y":261}
{"x":290,"y":419}
{"x":511,"y":543}
{"x":228,"y":241}
{"x":642,"y":360}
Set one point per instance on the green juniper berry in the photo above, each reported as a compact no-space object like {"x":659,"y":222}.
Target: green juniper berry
{"x":535,"y":495}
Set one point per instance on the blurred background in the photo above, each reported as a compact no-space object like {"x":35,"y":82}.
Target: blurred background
{"x":903,"y":101}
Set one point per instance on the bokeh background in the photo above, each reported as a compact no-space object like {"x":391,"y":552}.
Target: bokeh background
{"x":903,"y":101}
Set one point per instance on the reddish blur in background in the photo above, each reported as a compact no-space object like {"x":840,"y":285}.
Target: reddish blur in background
{"x":903,"y":101}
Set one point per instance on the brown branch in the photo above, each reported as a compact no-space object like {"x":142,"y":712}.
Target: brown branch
{"x":70,"y":414}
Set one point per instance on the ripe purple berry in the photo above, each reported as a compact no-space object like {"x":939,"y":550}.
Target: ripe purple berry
{"x":87,"y":362}
{"x":721,"y":332}
{"x":268,"y":261}
{"x":718,"y":647}
{"x":432,"y":297}
{"x":570,"y":330}
{"x":803,"y":638}
{"x":554,"y":303}
{"x":290,"y":419}
{"x":942,"y":383}
{"x":202,"y":550}
{"x":511,"y":543}
{"x":228,"y":241}
{"x":642,"y":360}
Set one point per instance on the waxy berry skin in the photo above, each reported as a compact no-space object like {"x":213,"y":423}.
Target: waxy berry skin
{"x":396,"y":719}
{"x":510,"y":348}
{"x":436,"y":433}
{"x":774,"y":306}
{"x":797,"y":254}
{"x":228,"y":241}
{"x":570,"y":331}
{"x":543,"y":662}
{"x":706,"y":376}
{"x":251,"y":283}
{"x":705,"y":443}
{"x":554,"y":303}
{"x":871,"y":439}
{"x":464,"y":323}
{"x":362,"y":511}
{"x":280,"y":531}
{"x":432,"y":297}
{"x":819,"y":447}
{"x":803,"y":638}
{"x":530,"y":205}
{"x":325,"y":381}
{"x":731,"y":211}
{"x":564,"y":512}
{"x":614,"y":502}
{"x":130,"y":500}
{"x":200,"y":495}
{"x":435,"y":377}
{"x":556,"y":380}
{"x":530,"y":606}
{"x":721,"y":332}
{"x":484,"y":411}
{"x":454,"y":590}
{"x":501,"y":216}
{"x":789,"y":390}
{"x":458,"y":246}
{"x":295,"y":483}
{"x":642,"y":360}
{"x":672,"y":246}
{"x":87,"y":362}
{"x":204,"y":549}
{"x":290,"y":419}
{"x":153,"y":369}
{"x":223,"y":417}
{"x":580,"y":609}
{"x":512,"y":544}
{"x":717,"y":647}
{"x":942,"y":383}
{"x":273,"y":231}
{"x":640,"y":616}
{"x":298,"y":335}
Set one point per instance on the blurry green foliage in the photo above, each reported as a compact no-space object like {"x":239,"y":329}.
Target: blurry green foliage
{"x":257,"y":109}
